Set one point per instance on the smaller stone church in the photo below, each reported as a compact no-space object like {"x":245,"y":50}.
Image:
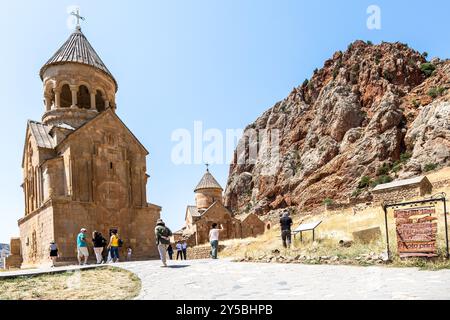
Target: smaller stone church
{"x":209,"y":209}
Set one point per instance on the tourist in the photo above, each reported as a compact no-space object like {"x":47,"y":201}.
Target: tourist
{"x":184,"y":248}
{"x":129,"y":253}
{"x":114,"y":246}
{"x":179,"y":250}
{"x":214,"y":239}
{"x":53,"y":253}
{"x":170,"y":251}
{"x":82,"y":247}
{"x":162,"y":235}
{"x":285,"y":224}
{"x":99,"y":244}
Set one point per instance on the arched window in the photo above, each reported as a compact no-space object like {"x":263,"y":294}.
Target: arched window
{"x":99,"y":102}
{"x":66,"y":96}
{"x":83,"y":98}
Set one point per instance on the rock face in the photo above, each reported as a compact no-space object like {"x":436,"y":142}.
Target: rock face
{"x":371,"y":114}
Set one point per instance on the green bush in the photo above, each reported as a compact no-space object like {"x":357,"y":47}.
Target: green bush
{"x":335,"y":72}
{"x":404,"y":157}
{"x":364,"y":182}
{"x":384,"y":169}
{"x":356,"y":193}
{"x":425,"y":55}
{"x":382,"y":180}
{"x":397,"y":166}
{"x":328,"y":201}
{"x":433,"y":92}
{"x":305,"y":83}
{"x":430,"y":167}
{"x":415,"y":103}
{"x":427,"y":69}
{"x":370,"y":43}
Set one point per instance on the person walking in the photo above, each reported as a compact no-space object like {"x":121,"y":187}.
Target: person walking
{"x":170,"y":251}
{"x":99,"y":243}
{"x":214,"y":239}
{"x":114,"y":246}
{"x":285,"y":225}
{"x":179,"y":250}
{"x":162,"y":235}
{"x":82,"y":247}
{"x":53,"y":253}
{"x":184,"y":249}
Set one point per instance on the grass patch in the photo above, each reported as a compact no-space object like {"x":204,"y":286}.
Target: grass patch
{"x":95,"y":284}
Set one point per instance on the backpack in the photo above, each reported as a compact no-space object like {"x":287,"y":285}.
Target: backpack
{"x":164,"y":232}
{"x":120,"y":241}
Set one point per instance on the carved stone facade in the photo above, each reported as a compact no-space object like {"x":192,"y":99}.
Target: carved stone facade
{"x":82,"y":167}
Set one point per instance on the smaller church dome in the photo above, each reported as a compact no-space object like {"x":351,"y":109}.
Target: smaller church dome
{"x":208,"y":182}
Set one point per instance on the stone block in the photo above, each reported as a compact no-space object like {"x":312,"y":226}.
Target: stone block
{"x":15,"y":246}
{"x":367,"y":235}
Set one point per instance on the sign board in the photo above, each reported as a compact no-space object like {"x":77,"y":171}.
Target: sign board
{"x":416,"y":232}
{"x":307,"y":227}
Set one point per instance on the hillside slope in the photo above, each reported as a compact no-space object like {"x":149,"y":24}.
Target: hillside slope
{"x":372,"y":114}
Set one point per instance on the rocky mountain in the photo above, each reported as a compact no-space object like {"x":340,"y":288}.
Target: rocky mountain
{"x":372,"y":114}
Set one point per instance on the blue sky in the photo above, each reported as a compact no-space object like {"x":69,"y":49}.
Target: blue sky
{"x":222,"y":62}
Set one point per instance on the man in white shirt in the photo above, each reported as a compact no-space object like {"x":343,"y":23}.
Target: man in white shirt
{"x":214,"y":239}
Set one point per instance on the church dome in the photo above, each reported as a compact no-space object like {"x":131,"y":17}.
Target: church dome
{"x":208,"y":182}
{"x":77,"y":49}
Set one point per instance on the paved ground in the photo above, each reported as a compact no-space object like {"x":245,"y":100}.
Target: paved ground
{"x":222,"y":279}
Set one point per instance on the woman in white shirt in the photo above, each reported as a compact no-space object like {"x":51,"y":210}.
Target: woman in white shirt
{"x":214,"y":239}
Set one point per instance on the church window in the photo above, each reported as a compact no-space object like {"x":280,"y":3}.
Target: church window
{"x":66,"y":96}
{"x":99,"y":102}
{"x":111,"y":165}
{"x":83,"y":98}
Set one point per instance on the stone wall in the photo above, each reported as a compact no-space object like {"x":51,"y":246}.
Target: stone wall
{"x":201,"y":252}
{"x":36,"y":232}
{"x":252,"y":226}
{"x":396,"y":195}
{"x":14,"y":260}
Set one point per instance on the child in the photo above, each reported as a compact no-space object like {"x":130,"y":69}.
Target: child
{"x":129,"y":252}
{"x":53,"y":253}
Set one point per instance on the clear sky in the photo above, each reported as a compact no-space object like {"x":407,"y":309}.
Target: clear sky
{"x":221,"y":62}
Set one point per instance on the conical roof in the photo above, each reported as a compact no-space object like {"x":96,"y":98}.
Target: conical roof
{"x":77,"y":49}
{"x":208,"y":182}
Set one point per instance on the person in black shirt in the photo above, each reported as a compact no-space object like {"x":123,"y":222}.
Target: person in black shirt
{"x":285,"y":224}
{"x":170,"y":251}
{"x":99,"y":243}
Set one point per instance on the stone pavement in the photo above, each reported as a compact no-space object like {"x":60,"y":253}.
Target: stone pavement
{"x":223,"y":279}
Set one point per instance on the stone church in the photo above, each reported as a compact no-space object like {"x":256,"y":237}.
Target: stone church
{"x":82,"y":167}
{"x":209,"y":209}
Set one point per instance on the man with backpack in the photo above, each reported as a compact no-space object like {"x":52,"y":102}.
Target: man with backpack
{"x":162,"y":235}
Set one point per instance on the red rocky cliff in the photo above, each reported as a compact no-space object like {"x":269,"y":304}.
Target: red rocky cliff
{"x":372,"y":114}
